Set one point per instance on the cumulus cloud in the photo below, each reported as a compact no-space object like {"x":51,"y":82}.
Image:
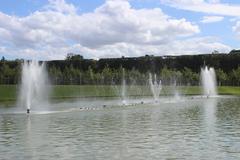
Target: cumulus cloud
{"x":211,"y":19}
{"x":199,"y":46}
{"x":61,"y":6}
{"x":236,"y":28}
{"x":175,"y":47}
{"x":113,"y":29}
{"x":205,"y":6}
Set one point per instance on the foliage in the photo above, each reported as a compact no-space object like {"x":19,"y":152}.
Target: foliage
{"x":74,"y":57}
{"x":180,"y":70}
{"x":222,"y":77}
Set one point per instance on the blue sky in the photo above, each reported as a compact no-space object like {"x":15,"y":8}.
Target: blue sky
{"x":49,"y":29}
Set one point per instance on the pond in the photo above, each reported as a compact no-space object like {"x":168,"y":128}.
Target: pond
{"x":187,"y":128}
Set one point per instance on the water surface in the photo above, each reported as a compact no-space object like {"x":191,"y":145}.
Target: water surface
{"x":186,"y":129}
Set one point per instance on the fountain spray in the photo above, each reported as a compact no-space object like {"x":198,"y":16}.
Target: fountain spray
{"x":34,"y":81}
{"x":208,"y":79}
{"x":156,"y":86}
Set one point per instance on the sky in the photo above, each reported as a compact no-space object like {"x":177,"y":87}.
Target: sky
{"x":49,"y":29}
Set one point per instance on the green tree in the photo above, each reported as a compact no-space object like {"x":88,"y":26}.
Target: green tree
{"x":74,"y":57}
{"x":190,"y":77}
{"x":107,"y":75}
{"x":235,"y":76}
{"x":222,"y":77}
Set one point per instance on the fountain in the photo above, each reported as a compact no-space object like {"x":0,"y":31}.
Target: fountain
{"x":175,"y":91}
{"x":156,"y":87}
{"x":208,"y":79}
{"x":177,"y":95}
{"x":123,"y":90}
{"x":34,"y":90}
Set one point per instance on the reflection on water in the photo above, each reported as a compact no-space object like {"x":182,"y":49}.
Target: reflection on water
{"x":190,"y":129}
{"x":210,"y":129}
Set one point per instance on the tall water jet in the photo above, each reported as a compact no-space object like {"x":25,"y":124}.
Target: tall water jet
{"x":156,"y":86}
{"x":123,"y":90}
{"x":208,"y":79}
{"x":34,"y":90}
{"x":176,"y":92}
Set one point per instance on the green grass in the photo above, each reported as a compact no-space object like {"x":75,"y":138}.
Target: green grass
{"x":9,"y":92}
{"x":229,"y":90}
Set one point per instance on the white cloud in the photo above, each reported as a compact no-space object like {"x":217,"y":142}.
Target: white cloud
{"x":200,"y":46}
{"x":211,"y":19}
{"x":176,"y":47}
{"x":236,"y":28}
{"x":111,"y":30}
{"x":2,"y":49}
{"x":61,"y":6}
{"x":214,"y":1}
{"x":210,"y":7}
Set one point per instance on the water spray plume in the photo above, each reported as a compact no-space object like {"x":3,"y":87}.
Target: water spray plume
{"x":208,"y":79}
{"x":34,"y":82}
{"x":156,"y":86}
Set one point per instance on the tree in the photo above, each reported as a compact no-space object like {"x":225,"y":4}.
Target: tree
{"x":55,"y":74}
{"x":189,"y":76}
{"x":74,"y":57}
{"x":7,"y":74}
{"x":235,"y":76}
{"x":215,"y":52}
{"x":222,"y":77}
{"x":3,"y":59}
{"x":107,"y":75}
{"x":90,"y":75}
{"x":234,"y":51}
{"x":166,"y":75}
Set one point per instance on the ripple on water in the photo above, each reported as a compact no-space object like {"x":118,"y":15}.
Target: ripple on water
{"x":193,"y":129}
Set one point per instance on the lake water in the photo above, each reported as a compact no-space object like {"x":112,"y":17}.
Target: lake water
{"x":198,"y":128}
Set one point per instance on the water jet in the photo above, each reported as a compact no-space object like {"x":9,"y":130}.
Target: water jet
{"x":208,"y":80}
{"x":33,"y":89}
{"x":123,"y":89}
{"x":156,"y":86}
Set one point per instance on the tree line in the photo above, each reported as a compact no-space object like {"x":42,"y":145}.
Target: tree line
{"x":179,"y":70}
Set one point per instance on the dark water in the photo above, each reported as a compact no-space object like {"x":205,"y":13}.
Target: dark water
{"x":188,"y":129}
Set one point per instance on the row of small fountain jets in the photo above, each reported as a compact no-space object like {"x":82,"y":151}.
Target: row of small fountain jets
{"x":208,"y":80}
{"x":34,"y":84}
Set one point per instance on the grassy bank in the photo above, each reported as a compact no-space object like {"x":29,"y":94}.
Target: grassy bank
{"x":9,"y":92}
